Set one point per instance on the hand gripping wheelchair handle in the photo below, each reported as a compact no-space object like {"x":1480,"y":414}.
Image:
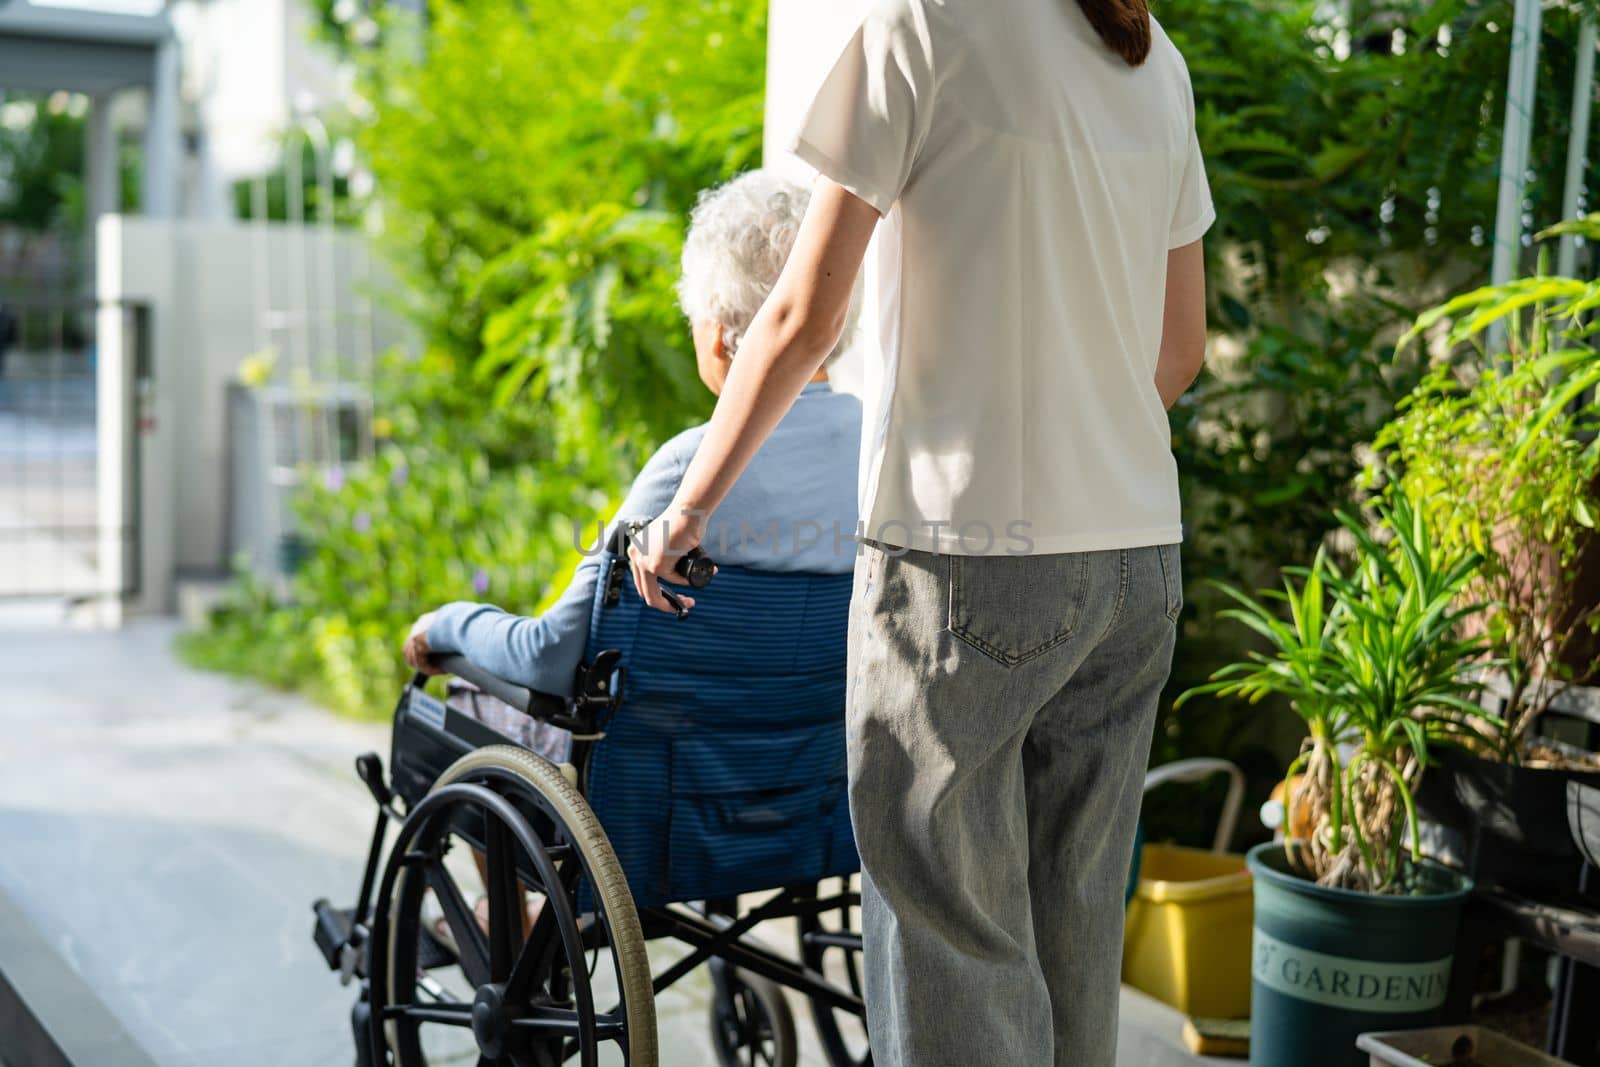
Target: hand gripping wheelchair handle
{"x":528,"y":701}
{"x":694,"y":566}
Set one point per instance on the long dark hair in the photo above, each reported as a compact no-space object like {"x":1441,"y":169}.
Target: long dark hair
{"x":1124,"y":25}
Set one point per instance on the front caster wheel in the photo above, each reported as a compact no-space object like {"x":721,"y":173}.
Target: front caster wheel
{"x":529,"y":999}
{"x":751,"y":1024}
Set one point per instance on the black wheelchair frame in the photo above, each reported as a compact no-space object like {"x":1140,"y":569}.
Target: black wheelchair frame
{"x":533,"y":1008}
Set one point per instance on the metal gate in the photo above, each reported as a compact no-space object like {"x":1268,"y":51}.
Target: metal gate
{"x":60,"y":454}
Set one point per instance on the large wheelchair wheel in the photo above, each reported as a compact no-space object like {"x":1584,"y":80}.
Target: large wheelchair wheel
{"x":532,"y":1001}
{"x":830,"y":944}
{"x":751,"y":1024}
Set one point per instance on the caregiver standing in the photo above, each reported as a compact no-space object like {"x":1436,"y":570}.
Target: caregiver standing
{"x":1031,"y":170}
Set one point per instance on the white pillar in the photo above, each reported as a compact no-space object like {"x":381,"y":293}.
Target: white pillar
{"x":804,"y":38}
{"x":102,"y":180}
{"x":212,"y":195}
{"x":1577,"y":142}
{"x":162,"y":148}
{"x":103,"y":186}
{"x":112,"y":462}
{"x":1521,"y":87}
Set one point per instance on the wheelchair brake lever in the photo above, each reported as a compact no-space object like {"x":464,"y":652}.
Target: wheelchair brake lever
{"x":677,"y":605}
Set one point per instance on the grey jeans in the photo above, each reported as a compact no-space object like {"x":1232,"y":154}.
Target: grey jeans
{"x":1000,"y":715}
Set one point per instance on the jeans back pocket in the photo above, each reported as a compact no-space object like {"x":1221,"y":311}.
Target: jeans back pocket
{"x":1013,"y":608}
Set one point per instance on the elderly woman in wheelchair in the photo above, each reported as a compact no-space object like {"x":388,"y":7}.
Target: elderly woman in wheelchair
{"x":698,"y":760}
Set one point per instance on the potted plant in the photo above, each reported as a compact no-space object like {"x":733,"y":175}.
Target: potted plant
{"x":1500,"y":452}
{"x":1354,"y":930}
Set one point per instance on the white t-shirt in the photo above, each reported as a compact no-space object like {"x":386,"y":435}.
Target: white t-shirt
{"x":1031,"y":184}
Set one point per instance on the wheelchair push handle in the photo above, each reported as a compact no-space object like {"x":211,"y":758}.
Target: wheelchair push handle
{"x":695,"y":567}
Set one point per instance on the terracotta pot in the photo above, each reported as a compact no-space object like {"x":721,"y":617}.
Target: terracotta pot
{"x":1578,"y":647}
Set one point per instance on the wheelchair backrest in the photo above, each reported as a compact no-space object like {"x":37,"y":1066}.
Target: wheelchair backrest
{"x":722,"y":769}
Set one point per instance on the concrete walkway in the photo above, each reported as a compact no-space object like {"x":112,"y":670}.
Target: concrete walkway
{"x":163,"y":832}
{"x":166,"y":831}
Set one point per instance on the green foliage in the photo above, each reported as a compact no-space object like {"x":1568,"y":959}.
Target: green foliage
{"x":1372,"y":661}
{"x":270,"y":199}
{"x":252,"y":634}
{"x":1378,"y":142}
{"x":449,"y":509}
{"x":580,"y":314}
{"x":1354,"y":174}
{"x":536,"y":168}
{"x":42,"y":161}
{"x":517,"y":115}
{"x":535,"y":164}
{"x":1354,"y":171}
{"x":1501,"y":447}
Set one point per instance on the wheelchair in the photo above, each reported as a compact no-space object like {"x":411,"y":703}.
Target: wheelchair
{"x":704,"y":794}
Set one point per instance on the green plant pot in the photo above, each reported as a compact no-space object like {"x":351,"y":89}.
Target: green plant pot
{"x":1330,"y":964}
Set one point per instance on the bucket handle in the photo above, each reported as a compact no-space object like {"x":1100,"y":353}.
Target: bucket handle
{"x":1198,"y":770}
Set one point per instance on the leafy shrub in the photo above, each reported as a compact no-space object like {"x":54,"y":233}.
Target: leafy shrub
{"x":1354,"y":170}
{"x":1500,"y":443}
{"x":519,"y":120}
{"x":455,"y":506}
{"x":1373,"y":663}
{"x":535,"y":164}
{"x":536,"y":172}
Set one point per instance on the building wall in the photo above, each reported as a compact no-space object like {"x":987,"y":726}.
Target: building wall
{"x":804,"y":38}
{"x":251,"y":67}
{"x":219,"y":294}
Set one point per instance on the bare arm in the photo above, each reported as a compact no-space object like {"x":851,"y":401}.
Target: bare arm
{"x":789,"y":338}
{"x":1183,"y":325}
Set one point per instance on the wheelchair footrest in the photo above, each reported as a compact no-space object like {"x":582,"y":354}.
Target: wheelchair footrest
{"x":431,"y":952}
{"x":332,"y":935}
{"x":332,"y":931}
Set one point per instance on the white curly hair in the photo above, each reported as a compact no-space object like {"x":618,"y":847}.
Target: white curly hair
{"x":740,"y":235}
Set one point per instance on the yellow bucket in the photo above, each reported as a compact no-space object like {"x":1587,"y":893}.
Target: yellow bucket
{"x":1188,"y":931}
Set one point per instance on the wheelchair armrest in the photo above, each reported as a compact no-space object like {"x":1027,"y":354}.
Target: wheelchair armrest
{"x":528,"y":701}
